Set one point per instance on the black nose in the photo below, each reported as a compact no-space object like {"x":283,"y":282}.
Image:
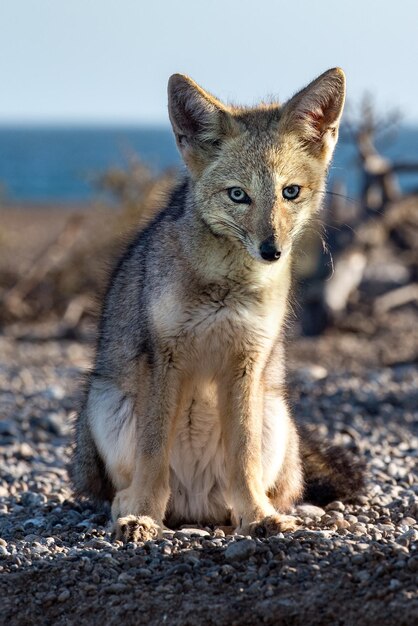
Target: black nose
{"x":268,"y":250}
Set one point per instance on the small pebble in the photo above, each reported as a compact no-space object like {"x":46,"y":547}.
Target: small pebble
{"x":240,"y":550}
{"x":64,"y":595}
{"x":336,"y":505}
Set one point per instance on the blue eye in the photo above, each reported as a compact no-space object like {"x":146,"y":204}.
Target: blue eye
{"x":291,"y":192}
{"x":238,"y":195}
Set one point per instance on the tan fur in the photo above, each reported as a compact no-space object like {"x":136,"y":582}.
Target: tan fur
{"x":186,"y":406}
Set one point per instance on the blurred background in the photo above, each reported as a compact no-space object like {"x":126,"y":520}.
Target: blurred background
{"x":86,"y":152}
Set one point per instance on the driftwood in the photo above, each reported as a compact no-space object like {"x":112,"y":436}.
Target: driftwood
{"x":367,"y":238}
{"x":397,"y":298}
{"x":380,"y":185}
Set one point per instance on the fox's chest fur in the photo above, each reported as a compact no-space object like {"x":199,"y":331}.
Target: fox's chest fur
{"x":204,"y":335}
{"x":205,"y":330}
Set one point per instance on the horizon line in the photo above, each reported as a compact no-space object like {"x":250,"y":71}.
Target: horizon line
{"x":15,"y":124}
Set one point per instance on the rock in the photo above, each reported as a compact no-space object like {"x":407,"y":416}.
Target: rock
{"x":180,"y":568}
{"x":126,"y":578}
{"x":29,"y":498}
{"x":64,"y":595}
{"x":115,"y":588}
{"x":363,"y":577}
{"x":191,"y":532}
{"x":26,"y":451}
{"x":166,"y":549}
{"x":394,"y":584}
{"x":336,"y":505}
{"x":408,"y":521}
{"x":39,"y":549}
{"x":143,"y":572}
{"x":358,"y":529}
{"x":100,"y":544}
{"x":412,"y":563}
{"x":342,"y":524}
{"x":407,"y":537}
{"x":4,"y":492}
{"x":55,"y":391}
{"x":34,"y":521}
{"x":240,"y":550}
{"x":54,"y":423}
{"x":309,"y":510}
{"x":336,"y":515}
{"x":8,"y":429}
{"x":311,"y":373}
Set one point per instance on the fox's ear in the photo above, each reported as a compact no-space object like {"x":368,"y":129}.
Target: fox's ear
{"x":315,"y":112}
{"x":200,"y":122}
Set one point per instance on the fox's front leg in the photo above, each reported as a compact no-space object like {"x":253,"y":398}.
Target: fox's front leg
{"x":138,"y":511}
{"x":252,"y":510}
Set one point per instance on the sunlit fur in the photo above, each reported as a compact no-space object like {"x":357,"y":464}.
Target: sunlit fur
{"x":185,"y":418}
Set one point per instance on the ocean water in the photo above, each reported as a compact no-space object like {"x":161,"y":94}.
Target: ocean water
{"x":48,"y":164}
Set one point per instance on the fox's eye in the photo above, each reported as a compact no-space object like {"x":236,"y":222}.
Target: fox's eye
{"x":238,"y":195}
{"x":291,"y":192}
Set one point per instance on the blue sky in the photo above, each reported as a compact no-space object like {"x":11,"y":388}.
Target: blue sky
{"x":99,"y":61}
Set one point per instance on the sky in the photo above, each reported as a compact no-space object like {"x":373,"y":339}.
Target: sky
{"x":108,"y":61}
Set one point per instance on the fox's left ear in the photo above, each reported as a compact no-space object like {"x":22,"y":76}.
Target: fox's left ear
{"x":315,"y":112}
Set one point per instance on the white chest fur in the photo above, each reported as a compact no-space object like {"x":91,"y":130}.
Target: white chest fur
{"x":211,"y":322}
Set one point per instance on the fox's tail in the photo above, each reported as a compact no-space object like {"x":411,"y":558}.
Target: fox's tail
{"x":330,"y":472}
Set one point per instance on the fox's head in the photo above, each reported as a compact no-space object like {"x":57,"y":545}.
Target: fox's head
{"x":259,"y":173}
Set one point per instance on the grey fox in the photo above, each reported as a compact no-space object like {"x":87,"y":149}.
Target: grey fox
{"x":185,"y":416}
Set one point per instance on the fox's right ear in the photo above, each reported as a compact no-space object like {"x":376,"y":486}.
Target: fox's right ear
{"x":200,"y":122}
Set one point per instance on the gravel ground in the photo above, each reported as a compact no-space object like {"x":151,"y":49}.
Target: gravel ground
{"x":349,"y":564}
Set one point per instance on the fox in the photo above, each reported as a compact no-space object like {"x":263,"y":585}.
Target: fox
{"x":185,"y":417}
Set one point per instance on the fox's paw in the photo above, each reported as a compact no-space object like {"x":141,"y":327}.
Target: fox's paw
{"x":274,"y":524}
{"x":136,"y":528}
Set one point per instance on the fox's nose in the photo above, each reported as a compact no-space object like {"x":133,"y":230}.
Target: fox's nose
{"x":268,"y":250}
